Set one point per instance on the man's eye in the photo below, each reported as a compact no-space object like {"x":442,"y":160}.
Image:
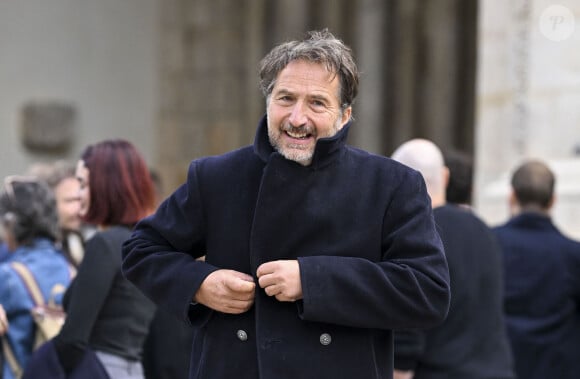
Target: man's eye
{"x":318,"y":105}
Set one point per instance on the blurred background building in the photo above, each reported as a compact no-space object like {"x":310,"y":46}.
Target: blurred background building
{"x":497,"y":79}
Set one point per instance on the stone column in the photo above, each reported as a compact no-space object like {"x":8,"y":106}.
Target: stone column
{"x":210,"y":100}
{"x":527,"y":102}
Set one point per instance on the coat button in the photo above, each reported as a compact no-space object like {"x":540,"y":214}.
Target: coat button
{"x":325,"y":339}
{"x":242,"y":335}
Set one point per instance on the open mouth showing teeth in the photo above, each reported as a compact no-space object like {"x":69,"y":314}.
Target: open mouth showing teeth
{"x":298,"y":135}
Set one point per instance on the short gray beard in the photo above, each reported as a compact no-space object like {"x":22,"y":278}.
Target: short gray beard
{"x":302,"y":157}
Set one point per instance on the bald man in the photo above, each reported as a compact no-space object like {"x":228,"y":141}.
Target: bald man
{"x":542,"y":280}
{"x":472,"y":342}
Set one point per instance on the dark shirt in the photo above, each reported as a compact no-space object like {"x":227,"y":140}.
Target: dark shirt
{"x":104,"y":311}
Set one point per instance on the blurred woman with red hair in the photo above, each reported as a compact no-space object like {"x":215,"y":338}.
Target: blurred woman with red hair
{"x":106,"y":313}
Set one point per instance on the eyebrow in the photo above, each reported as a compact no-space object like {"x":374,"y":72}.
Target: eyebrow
{"x":320,"y":97}
{"x":285,"y":91}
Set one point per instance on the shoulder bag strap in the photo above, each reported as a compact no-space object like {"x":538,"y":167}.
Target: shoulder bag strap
{"x":10,"y":358}
{"x":29,"y":282}
{"x":36,"y":295}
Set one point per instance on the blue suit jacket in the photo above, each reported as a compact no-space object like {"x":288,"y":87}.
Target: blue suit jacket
{"x":541,"y":297}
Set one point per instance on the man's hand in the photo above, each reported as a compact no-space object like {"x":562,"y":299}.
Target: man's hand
{"x":227,"y":291}
{"x":3,"y":321}
{"x":281,"y":279}
{"x":398,"y":374}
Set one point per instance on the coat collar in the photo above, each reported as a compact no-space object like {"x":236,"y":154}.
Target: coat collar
{"x":532,"y":220}
{"x":327,"y":150}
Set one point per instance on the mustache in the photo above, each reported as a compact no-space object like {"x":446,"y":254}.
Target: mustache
{"x":304,"y":129}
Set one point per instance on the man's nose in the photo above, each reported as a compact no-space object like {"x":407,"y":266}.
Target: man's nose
{"x":298,"y":116}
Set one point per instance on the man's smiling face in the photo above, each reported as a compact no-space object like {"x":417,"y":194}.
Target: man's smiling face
{"x":303,"y":107}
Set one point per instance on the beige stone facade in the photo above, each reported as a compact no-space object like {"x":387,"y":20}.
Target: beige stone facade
{"x":528,"y":101}
{"x":97,"y":57}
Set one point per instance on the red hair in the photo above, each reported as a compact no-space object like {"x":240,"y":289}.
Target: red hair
{"x":120,"y":186}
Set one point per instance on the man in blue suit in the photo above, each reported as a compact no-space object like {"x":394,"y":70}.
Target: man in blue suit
{"x":542,"y":280}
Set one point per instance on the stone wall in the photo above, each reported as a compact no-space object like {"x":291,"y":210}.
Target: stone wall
{"x":527,"y":101}
{"x":209,"y":98}
{"x":417,"y":62}
{"x":73,"y":73}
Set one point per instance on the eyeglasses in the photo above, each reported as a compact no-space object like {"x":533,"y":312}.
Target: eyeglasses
{"x":11,"y":179}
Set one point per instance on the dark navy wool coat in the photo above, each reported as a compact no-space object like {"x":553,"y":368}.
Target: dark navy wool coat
{"x":541,"y":297}
{"x":361,"y":228}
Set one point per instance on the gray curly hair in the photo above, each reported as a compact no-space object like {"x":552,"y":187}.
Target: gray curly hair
{"x":319,"y":47}
{"x":28,"y":208}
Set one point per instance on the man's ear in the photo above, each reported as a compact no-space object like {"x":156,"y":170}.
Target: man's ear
{"x":552,"y":202}
{"x":514,"y":205}
{"x":446,"y":175}
{"x":346,"y":116}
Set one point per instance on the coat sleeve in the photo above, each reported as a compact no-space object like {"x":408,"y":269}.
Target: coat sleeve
{"x":160,"y":257}
{"x":409,"y":348}
{"x":407,"y":288}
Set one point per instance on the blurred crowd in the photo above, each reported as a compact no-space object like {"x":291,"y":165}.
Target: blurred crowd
{"x":65,"y":223}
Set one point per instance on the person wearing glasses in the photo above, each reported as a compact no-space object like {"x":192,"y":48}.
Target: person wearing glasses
{"x":29,"y":224}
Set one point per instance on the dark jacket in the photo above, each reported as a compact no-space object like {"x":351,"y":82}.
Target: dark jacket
{"x":472,"y":342}
{"x":105,"y":312}
{"x":167,"y":349}
{"x":45,"y":364}
{"x":542,"y":297}
{"x":361,"y":228}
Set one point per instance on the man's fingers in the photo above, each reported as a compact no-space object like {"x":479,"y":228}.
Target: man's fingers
{"x":272,"y":290}
{"x":240,"y":284}
{"x":266,"y":280}
{"x":227,"y":291}
{"x":265,"y":269}
{"x":280,"y":279}
{"x":243,"y":276}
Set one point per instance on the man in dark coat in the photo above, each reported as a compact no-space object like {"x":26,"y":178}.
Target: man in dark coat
{"x":542,"y":280}
{"x":472,"y":342}
{"x":314,"y":250}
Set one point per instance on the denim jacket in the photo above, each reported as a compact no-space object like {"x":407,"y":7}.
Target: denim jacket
{"x":4,"y":253}
{"x":49,"y":267}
